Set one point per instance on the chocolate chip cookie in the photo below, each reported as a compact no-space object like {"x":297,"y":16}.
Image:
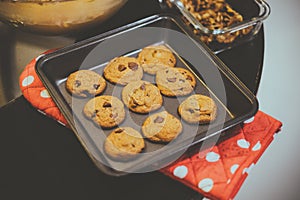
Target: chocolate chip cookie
{"x":84,"y":83}
{"x":155,"y":58}
{"x":106,"y":111}
{"x":142,"y":97}
{"x":198,"y":109}
{"x":161,"y":127}
{"x":123,"y":70}
{"x":175,"y":81}
{"x":124,"y":143}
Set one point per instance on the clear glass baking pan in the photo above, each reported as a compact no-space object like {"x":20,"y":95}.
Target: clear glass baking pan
{"x":235,"y":103}
{"x":221,"y":24}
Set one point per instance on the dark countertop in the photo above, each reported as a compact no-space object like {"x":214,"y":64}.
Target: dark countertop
{"x":41,"y":159}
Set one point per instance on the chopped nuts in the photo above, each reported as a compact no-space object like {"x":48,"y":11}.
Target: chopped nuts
{"x":215,"y":14}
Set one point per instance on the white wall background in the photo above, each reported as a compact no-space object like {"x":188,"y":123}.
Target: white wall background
{"x":277,"y":174}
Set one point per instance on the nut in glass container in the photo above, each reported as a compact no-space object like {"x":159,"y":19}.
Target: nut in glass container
{"x":222,"y":24}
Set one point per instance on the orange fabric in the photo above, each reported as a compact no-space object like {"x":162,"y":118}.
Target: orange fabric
{"x":217,"y":174}
{"x":35,"y":92}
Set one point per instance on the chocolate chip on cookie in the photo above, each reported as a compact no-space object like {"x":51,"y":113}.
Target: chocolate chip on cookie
{"x":123,"y":70}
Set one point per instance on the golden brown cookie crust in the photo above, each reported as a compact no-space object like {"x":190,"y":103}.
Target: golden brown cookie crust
{"x":161,"y":127}
{"x":124,"y":143}
{"x":175,"y":81}
{"x":198,"y":109}
{"x":106,"y":111}
{"x":142,"y":97}
{"x":155,"y":58}
{"x":123,"y":70}
{"x":84,"y":83}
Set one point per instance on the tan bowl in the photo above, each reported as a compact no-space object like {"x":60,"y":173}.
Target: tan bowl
{"x":55,"y":17}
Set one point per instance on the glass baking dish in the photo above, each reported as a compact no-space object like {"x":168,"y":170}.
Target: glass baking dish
{"x":221,"y":24}
{"x":235,"y":103}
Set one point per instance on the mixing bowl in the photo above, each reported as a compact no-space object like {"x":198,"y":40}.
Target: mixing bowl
{"x":55,"y":17}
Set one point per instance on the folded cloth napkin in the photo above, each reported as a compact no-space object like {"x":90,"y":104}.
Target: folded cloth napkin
{"x":220,"y":172}
{"x":217,"y":173}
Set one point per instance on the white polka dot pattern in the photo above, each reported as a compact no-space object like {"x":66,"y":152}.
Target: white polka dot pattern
{"x":27,"y":81}
{"x":44,"y":94}
{"x":243,"y":143}
{"x":212,"y":157}
{"x":257,"y":146}
{"x":233,"y":168}
{"x":247,"y":170}
{"x":206,"y":184}
{"x":180,"y":171}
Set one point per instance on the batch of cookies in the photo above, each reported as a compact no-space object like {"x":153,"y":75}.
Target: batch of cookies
{"x":142,"y":97}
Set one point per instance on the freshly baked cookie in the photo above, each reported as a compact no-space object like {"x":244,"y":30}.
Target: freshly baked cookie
{"x":142,"y":97}
{"x":155,"y":58}
{"x":175,"y":81}
{"x":123,"y":70}
{"x":106,"y":111}
{"x":85,"y":83}
{"x":161,"y":127}
{"x":124,"y":143}
{"x":198,"y":109}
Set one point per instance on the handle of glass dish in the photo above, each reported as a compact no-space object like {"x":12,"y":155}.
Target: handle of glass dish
{"x":264,"y":12}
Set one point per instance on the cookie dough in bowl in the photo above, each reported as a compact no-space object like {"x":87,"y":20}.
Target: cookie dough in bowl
{"x":55,"y":17}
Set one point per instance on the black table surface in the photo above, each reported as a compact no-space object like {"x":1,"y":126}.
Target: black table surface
{"x":41,"y":159}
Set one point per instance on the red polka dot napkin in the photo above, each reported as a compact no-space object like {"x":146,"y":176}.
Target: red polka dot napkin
{"x":220,"y":172}
{"x":217,"y":173}
{"x":35,"y":92}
